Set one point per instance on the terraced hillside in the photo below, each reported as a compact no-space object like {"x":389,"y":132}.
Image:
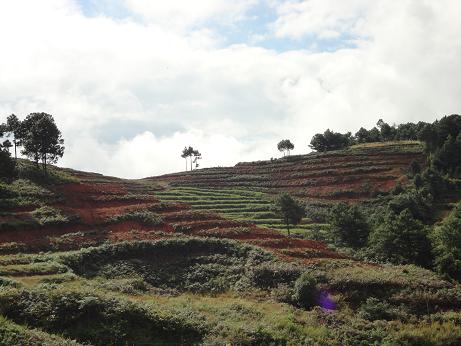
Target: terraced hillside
{"x":175,"y":260}
{"x":246,"y":192}
{"x":86,"y":209}
{"x":357,"y":173}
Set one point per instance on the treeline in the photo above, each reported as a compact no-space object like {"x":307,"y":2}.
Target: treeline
{"x":442,"y":139}
{"x":37,"y":135}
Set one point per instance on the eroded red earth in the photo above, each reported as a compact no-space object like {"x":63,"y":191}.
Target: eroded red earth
{"x":95,"y":202}
{"x":96,"y":199}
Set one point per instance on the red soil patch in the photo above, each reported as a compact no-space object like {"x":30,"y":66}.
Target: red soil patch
{"x":98,"y":198}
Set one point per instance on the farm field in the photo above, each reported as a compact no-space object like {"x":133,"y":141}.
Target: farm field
{"x":358,"y":173}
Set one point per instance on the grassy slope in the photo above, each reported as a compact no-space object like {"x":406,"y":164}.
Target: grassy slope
{"x":91,"y":210}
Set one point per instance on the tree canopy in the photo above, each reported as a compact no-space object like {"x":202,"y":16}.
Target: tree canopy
{"x":447,"y":245}
{"x":285,"y":146}
{"x":189,"y":152}
{"x":290,"y":210}
{"x":330,"y":140}
{"x":42,"y":139}
{"x":349,"y":225}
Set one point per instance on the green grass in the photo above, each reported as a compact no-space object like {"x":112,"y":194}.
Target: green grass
{"x":45,"y":268}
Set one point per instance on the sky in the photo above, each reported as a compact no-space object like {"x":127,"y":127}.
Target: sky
{"x":132,"y":82}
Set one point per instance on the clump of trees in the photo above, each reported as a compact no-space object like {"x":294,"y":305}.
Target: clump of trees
{"x":401,"y":228}
{"x":442,"y":139}
{"x":285,"y":146}
{"x":330,"y":140}
{"x":193,"y":155}
{"x":290,"y":210}
{"x":37,"y":134}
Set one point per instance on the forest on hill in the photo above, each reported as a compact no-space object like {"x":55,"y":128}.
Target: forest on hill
{"x":357,"y":243}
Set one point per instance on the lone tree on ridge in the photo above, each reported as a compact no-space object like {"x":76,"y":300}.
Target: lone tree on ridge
{"x":290,"y":210}
{"x":285,"y":145}
{"x":188,"y":152}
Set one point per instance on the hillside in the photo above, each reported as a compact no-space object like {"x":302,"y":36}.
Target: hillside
{"x":201,"y":258}
{"x":357,"y":173}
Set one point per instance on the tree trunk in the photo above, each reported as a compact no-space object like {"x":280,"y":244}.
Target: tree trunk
{"x":15,"y":155}
{"x":186,"y":164}
{"x":191,"y":163}
{"x":288,"y":226}
{"x":44,"y":164}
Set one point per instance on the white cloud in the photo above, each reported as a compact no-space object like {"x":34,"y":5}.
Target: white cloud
{"x":144,"y":154}
{"x":129,"y":96}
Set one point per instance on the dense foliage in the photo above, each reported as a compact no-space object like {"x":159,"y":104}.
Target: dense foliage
{"x":447,"y":245}
{"x":38,"y":135}
{"x":285,"y":146}
{"x":349,"y":225}
{"x":442,"y":138}
{"x":330,"y":140}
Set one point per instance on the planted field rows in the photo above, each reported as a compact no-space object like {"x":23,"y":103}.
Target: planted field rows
{"x":357,"y":173}
{"x":93,"y":210}
{"x":237,"y":204}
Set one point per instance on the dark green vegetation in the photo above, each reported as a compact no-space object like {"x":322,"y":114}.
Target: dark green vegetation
{"x":290,"y":211}
{"x":285,"y":146}
{"x":202,"y":258}
{"x":37,"y":134}
{"x":442,"y":139}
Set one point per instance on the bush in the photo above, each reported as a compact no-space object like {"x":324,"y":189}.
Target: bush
{"x":270,"y":275}
{"x":374,"y":309}
{"x":349,"y":226}
{"x":418,"y":201}
{"x":305,"y":291}
{"x":13,"y":334}
{"x":95,"y":318}
{"x":193,"y":264}
{"x":146,"y":217}
{"x":446,"y":239}
{"x":7,"y":165}
{"x":401,"y":239}
{"x":49,"y":216}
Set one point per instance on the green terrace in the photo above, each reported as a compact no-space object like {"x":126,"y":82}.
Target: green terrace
{"x":237,"y":204}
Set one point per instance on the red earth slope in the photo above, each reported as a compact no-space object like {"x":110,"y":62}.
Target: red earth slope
{"x":358,"y":173}
{"x":95,"y":199}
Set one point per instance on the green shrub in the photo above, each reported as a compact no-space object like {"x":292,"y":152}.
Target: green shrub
{"x":305,"y":292}
{"x":401,"y":239}
{"x":349,"y":226}
{"x":446,"y":239}
{"x":13,"y":334}
{"x":146,"y":217}
{"x":27,"y":170}
{"x":7,"y":165}
{"x":270,"y":275}
{"x":374,"y":309}
{"x":49,"y":216}
{"x":97,"y":319}
{"x":193,"y":264}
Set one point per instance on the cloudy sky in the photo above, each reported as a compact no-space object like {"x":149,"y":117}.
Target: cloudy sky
{"x":131,"y":82}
